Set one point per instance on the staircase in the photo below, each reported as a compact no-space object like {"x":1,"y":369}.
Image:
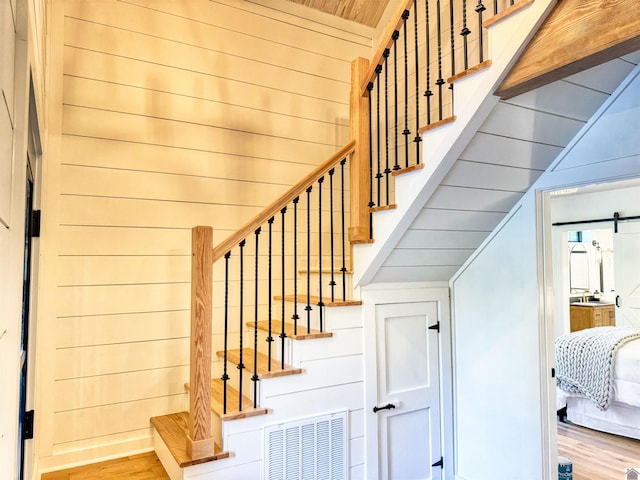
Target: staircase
{"x":288,"y":356}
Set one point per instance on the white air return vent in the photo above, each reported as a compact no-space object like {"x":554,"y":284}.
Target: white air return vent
{"x":310,"y":449}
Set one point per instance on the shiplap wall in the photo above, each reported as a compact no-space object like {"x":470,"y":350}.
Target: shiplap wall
{"x":173,"y":114}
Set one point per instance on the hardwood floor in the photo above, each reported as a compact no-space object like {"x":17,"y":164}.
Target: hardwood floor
{"x":145,"y":466}
{"x":596,"y":455}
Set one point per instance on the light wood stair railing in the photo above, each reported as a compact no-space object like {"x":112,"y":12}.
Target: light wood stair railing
{"x":331,"y":205}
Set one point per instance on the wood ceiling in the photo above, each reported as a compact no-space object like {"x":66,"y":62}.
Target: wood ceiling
{"x":366,"y":12}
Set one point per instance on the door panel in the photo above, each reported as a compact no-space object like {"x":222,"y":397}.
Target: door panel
{"x":626,"y":248}
{"x":408,"y":379}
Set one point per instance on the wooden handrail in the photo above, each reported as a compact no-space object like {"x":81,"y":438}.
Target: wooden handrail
{"x":385,"y":42}
{"x":223,"y":247}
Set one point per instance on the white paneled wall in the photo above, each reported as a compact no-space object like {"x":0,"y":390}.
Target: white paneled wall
{"x":172,"y":114}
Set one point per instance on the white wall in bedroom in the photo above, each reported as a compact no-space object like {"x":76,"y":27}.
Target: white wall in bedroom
{"x":502,"y":343}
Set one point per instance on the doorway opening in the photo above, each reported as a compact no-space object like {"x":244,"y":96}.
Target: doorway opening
{"x":591,"y":250}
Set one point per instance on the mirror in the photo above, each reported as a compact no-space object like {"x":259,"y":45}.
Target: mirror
{"x":578,"y":269}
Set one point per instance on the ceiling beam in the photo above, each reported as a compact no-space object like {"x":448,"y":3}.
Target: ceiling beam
{"x":577,"y":35}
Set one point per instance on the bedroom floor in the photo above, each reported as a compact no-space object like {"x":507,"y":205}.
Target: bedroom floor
{"x":597,"y":455}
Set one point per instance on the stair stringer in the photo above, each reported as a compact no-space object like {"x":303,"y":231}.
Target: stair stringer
{"x":473,"y":102}
{"x":332,"y":380}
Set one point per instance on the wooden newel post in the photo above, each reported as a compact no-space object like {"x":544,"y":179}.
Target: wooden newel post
{"x":359,"y":230}
{"x":200,"y":443}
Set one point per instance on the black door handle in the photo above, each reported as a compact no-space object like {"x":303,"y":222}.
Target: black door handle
{"x":388,"y":406}
{"x":618,"y":301}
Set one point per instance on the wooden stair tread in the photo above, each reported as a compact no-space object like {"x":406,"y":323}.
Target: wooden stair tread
{"x":303,"y":333}
{"x":325,"y":271}
{"x":264,"y":371}
{"x":314,"y":300}
{"x":382,"y":208}
{"x":173,"y":429}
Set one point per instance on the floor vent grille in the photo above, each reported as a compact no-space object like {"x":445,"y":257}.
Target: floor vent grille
{"x":309,"y":449}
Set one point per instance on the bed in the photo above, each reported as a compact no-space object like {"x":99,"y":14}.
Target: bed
{"x":598,"y":379}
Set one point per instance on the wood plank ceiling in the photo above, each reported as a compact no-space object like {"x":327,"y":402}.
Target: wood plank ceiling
{"x":366,"y":12}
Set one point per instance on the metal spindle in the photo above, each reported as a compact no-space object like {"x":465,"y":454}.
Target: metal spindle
{"x":465,"y":33}
{"x":378,"y":133}
{"x":320,"y":303}
{"x":418,"y":138}
{"x":495,"y":6}
{"x":269,"y":338}
{"x":371,"y":203}
{"x":440,"y":80}
{"x":308,"y":306}
{"x":295,"y":317}
{"x":387,"y":170}
{"x":343,"y":269}
{"x":406,"y":132}
{"x":428,"y":92}
{"x":453,"y":46}
{"x":241,"y":324}
{"x":225,"y":375}
{"x":332,"y":283}
{"x":254,"y":377}
{"x":396,"y":35}
{"x":479,"y":9}
{"x":283,"y":334}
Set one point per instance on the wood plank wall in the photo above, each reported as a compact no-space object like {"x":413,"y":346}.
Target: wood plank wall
{"x":174,"y":114}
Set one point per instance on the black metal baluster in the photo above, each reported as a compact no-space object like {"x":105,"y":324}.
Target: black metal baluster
{"x":254,"y":377}
{"x":387,"y":170}
{"x":418,"y":138}
{"x":440,"y":80}
{"x":479,"y":9}
{"x":225,"y":375}
{"x":465,"y":33}
{"x":396,"y":35}
{"x":283,"y":334}
{"x":371,"y":203}
{"x":320,"y":303}
{"x":295,"y":317}
{"x":453,"y":45}
{"x":406,"y":132}
{"x":428,"y":92}
{"x":343,"y":269}
{"x":378,"y":133}
{"x":241,"y":317}
{"x":495,"y":6}
{"x":308,"y":306}
{"x":269,"y":338}
{"x":332,"y":283}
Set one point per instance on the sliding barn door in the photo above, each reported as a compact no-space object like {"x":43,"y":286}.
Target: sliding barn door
{"x":626,"y":251}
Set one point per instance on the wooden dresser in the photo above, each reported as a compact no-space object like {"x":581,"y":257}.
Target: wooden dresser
{"x":589,"y":314}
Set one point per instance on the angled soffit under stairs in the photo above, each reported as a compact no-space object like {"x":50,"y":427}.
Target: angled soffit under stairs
{"x":513,"y":147}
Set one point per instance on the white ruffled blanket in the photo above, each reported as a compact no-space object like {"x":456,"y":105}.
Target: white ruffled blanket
{"x":585,"y":361}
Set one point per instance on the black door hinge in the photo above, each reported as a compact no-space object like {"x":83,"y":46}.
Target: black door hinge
{"x":439,"y":463}
{"x":435,"y":326}
{"x":35,"y":223}
{"x":27,"y":425}
{"x":553,"y":373}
